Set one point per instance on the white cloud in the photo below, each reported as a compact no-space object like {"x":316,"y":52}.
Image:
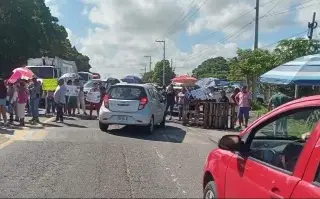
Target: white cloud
{"x":127,"y":30}
{"x":54,"y":8}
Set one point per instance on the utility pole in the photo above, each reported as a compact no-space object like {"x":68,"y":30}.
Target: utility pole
{"x":256,"y":27}
{"x":171,"y":65}
{"x":256,"y":43}
{"x":148,"y":56}
{"x":164,"y":64}
{"x":311,"y":26}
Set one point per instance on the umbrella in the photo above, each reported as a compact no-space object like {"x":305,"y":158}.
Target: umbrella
{"x":132,"y":79}
{"x":303,"y":71}
{"x":184,"y":79}
{"x":208,"y":82}
{"x":20,"y":73}
{"x":70,"y":76}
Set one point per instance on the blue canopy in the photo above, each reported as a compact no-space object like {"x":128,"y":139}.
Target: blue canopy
{"x":132,"y":79}
{"x":304,"y":71}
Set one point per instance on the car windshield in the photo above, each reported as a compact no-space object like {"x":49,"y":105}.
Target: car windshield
{"x":126,"y":92}
{"x":43,"y":72}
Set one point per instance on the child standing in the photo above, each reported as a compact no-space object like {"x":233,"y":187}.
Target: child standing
{"x":22,"y":99}
{"x":81,"y":101}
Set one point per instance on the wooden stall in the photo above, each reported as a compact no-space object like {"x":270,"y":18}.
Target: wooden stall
{"x":209,"y":114}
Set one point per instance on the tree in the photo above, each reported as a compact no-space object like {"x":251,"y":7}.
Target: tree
{"x":213,"y":67}
{"x":147,"y":77}
{"x":290,"y":49}
{"x":157,"y":73}
{"x":250,"y":64}
{"x":28,"y":30}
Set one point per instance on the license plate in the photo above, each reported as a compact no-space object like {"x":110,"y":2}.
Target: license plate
{"x":122,"y":118}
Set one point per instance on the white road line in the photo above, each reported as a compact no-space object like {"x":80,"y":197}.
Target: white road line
{"x":174,"y":178}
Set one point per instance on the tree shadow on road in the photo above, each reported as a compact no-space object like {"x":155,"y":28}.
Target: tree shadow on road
{"x":167,"y":134}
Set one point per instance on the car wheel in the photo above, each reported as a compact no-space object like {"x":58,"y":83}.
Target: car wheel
{"x":103,"y":127}
{"x":210,"y":191}
{"x":163,"y":123}
{"x":150,"y":127}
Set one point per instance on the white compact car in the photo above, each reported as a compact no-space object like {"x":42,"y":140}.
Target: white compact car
{"x":132,"y":104}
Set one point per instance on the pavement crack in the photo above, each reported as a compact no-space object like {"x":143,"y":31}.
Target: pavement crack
{"x":129,"y":178}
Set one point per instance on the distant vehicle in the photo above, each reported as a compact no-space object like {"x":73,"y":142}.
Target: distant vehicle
{"x":277,"y":156}
{"x":49,"y":68}
{"x":132,"y":104}
{"x":85,"y":77}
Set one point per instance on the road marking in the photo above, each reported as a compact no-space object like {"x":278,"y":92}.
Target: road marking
{"x":20,"y":134}
{"x":49,"y":120}
{"x":174,"y":178}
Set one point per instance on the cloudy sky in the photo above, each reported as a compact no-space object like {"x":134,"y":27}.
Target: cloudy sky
{"x":117,"y":34}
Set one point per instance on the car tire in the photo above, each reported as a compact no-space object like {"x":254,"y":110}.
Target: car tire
{"x":150,"y":128}
{"x":103,"y":127}
{"x":163,"y":123}
{"x":210,"y":191}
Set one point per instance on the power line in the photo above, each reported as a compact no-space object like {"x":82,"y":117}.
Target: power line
{"x":295,"y":35}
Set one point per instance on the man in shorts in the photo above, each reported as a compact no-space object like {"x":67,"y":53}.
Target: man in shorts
{"x":243,"y":99}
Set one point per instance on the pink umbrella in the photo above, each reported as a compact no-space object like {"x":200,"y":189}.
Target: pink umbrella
{"x":184,"y":79}
{"x":20,"y":73}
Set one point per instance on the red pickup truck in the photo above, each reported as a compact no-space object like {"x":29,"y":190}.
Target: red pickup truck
{"x":277,"y":156}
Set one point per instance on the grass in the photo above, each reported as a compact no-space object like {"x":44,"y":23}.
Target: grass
{"x":298,"y":127}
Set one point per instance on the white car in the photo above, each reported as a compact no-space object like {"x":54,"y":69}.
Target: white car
{"x":132,"y":104}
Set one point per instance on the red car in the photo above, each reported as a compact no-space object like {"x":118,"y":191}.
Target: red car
{"x":277,"y":156}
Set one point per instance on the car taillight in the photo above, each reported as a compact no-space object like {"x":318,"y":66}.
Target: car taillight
{"x":106,"y":101}
{"x":143,"y":103}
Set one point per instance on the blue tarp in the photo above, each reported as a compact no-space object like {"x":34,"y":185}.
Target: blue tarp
{"x":208,"y":82}
{"x":132,"y":79}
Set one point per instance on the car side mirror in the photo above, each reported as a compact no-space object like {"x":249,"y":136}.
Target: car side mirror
{"x":230,"y":143}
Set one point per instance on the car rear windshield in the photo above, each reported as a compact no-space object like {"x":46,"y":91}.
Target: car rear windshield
{"x":126,"y":92}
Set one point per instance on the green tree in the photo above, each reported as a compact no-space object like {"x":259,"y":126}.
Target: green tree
{"x":250,"y":64}
{"x":157,"y":73}
{"x":28,"y":30}
{"x":147,"y":77}
{"x":290,"y":49}
{"x":213,"y":67}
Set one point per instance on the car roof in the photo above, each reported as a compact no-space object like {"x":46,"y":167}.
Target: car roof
{"x":131,"y":84}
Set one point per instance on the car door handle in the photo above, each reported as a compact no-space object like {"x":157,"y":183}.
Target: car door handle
{"x":274,"y":193}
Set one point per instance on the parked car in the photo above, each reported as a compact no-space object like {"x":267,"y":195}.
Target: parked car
{"x":132,"y":104}
{"x":270,"y":158}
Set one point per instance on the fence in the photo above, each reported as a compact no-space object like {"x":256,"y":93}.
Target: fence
{"x":209,"y":114}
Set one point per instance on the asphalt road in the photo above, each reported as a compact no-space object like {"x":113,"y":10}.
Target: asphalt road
{"x":77,"y":160}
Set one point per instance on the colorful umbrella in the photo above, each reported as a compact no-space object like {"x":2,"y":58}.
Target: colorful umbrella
{"x":20,"y":73}
{"x":184,"y":79}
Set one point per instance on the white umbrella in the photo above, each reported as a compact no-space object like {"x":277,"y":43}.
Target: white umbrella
{"x":70,"y":76}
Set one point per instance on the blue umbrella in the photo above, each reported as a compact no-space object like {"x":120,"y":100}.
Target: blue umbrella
{"x":132,"y":79}
{"x":304,"y":71}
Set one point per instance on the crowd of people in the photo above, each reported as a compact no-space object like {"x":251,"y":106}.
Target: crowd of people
{"x":22,"y":98}
{"x":241,"y":97}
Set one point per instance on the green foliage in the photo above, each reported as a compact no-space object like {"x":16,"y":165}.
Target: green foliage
{"x":147,"y":77}
{"x":214,"y":67}
{"x":157,"y":73}
{"x":28,"y":30}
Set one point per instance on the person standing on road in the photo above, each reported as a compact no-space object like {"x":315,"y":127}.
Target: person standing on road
{"x":60,"y":99}
{"x":243,"y":99}
{"x":3,"y":101}
{"x":278,"y":99}
{"x":233,"y":97}
{"x":170,"y":98}
{"x":50,"y":105}
{"x":72,"y":102}
{"x":12,"y":101}
{"x":81,"y":101}
{"x":180,"y":101}
{"x":34,"y":91}
{"x":94,"y":106}
{"x":22,"y":99}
